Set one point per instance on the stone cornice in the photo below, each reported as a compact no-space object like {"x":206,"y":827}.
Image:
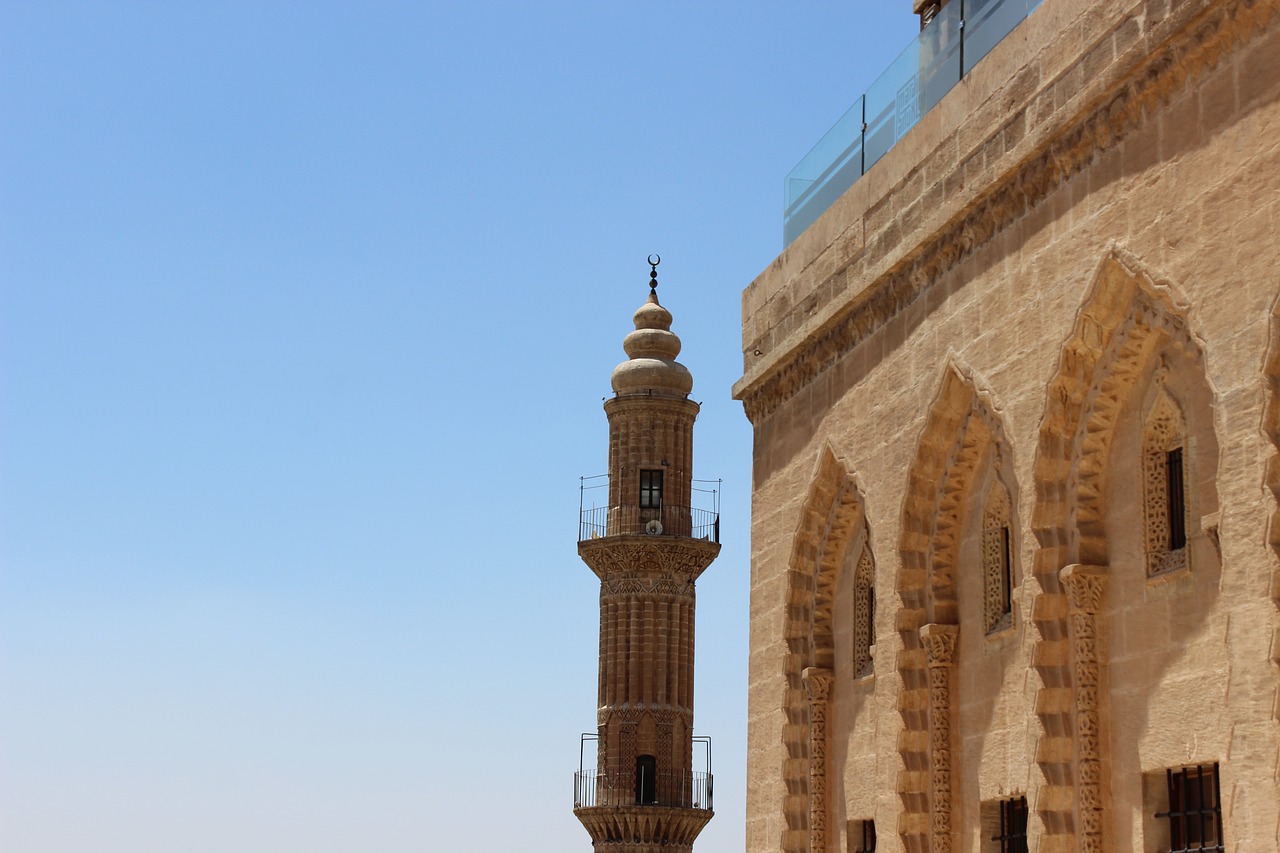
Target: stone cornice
{"x":1189,"y":42}
{"x":645,"y":560}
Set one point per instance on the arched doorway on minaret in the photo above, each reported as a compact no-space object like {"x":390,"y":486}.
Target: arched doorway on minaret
{"x":647,"y":539}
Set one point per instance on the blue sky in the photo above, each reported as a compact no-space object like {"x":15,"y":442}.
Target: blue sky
{"x":306,"y":314}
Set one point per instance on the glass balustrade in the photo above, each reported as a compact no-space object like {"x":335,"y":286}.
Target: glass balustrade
{"x":952,"y":43}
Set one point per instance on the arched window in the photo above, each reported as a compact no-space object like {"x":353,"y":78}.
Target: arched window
{"x":997,"y":560}
{"x":1164,"y":493}
{"x":864,"y":613}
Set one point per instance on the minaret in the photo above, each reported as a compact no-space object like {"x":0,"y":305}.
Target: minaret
{"x":648,"y":546}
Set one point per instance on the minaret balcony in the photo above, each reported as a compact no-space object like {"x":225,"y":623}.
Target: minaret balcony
{"x":676,"y":789}
{"x":666,"y":520}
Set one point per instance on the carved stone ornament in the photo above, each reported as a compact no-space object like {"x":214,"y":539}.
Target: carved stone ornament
{"x":997,"y":579}
{"x":1163,"y":431}
{"x":669,"y":558}
{"x":940,"y":644}
{"x":864,"y":591}
{"x":817,"y":684}
{"x":1086,"y":587}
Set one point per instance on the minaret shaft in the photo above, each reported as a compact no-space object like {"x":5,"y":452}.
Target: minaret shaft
{"x":644,"y":795}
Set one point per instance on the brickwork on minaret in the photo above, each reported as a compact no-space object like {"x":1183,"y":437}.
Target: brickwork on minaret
{"x":648,"y":547}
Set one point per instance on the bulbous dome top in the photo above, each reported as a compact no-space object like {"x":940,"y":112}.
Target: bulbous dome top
{"x":652,"y":349}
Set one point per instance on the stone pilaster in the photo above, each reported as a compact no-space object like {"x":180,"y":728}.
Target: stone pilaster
{"x":817,"y":684}
{"x":940,"y":645}
{"x":1085,"y":587}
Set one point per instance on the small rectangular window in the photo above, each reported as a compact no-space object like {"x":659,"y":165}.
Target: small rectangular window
{"x":1008,"y":819}
{"x":1177,"y":499}
{"x":862,"y":836}
{"x":1195,"y":809}
{"x":650,"y":489}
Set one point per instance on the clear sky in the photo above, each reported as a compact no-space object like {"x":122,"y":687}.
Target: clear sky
{"x":306,"y":314}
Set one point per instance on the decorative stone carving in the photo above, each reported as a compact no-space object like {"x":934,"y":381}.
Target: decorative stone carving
{"x":617,"y":559}
{"x":1163,"y":431}
{"x":662,"y":587}
{"x":864,"y":592}
{"x":963,"y":429}
{"x":997,"y":573}
{"x":830,"y":517}
{"x":1128,"y":318}
{"x":1086,"y":586}
{"x":817,"y":684}
{"x":940,"y":645}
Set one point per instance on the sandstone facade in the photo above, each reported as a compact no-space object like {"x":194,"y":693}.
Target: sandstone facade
{"x":1016,"y":401}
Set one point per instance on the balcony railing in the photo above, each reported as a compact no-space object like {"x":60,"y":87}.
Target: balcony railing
{"x":665,"y":520}
{"x":947,"y":49}
{"x":673,"y":789}
{"x":692,"y":522}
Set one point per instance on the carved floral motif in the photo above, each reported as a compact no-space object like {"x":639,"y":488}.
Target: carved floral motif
{"x":1086,"y":586}
{"x":864,"y":591}
{"x":1163,"y":431}
{"x":817,"y":683}
{"x":997,"y":578}
{"x":940,"y":645}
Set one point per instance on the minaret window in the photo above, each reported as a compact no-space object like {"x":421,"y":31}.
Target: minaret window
{"x":650,"y":489}
{"x":646,"y":779}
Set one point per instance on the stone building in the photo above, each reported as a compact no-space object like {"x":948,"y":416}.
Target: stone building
{"x":1016,"y":407}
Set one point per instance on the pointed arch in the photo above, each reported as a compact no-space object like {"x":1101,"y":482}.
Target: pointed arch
{"x":962,"y":434}
{"x":831,"y":518}
{"x":1128,"y":321}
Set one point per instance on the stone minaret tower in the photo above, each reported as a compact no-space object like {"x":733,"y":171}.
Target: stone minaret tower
{"x":648,"y":546}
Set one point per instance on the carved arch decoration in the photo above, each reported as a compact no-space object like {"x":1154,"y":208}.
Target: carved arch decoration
{"x":832,"y":519}
{"x":1271,"y":426}
{"x":1164,"y":430}
{"x":1127,"y":320}
{"x":962,"y":437}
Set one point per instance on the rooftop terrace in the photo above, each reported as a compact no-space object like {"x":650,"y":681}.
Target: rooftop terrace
{"x":952,"y":43}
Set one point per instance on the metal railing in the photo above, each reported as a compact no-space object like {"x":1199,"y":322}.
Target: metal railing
{"x":947,"y":49}
{"x":672,"y":789}
{"x":665,"y":520}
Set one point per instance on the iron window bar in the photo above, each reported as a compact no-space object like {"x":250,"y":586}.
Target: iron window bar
{"x":868,"y":843}
{"x":1195,"y":809}
{"x":1013,"y":826}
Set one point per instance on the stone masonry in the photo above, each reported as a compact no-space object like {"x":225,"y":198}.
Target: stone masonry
{"x":1025,"y":377}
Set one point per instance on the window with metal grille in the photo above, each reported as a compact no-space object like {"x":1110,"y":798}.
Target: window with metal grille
{"x":862,"y":836}
{"x":1013,"y":826}
{"x":650,"y":489}
{"x":1195,"y":809}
